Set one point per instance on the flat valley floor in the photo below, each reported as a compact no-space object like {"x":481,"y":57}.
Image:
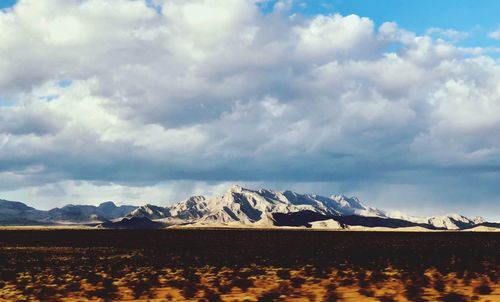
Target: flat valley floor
{"x":247,"y":265}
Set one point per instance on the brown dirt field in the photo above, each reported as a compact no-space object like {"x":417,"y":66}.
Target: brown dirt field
{"x":246,"y":265}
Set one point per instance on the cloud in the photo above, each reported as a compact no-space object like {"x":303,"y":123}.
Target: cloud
{"x":494,"y":35}
{"x":5,"y":140}
{"x":58,"y":194}
{"x":162,"y":92}
{"x":447,"y":34}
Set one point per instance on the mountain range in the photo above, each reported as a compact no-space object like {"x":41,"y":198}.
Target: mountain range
{"x":241,"y":207}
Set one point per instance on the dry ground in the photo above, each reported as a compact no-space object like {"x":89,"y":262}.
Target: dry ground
{"x":241,"y":265}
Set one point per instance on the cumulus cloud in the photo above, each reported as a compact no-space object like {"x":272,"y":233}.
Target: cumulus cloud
{"x":160,"y":92}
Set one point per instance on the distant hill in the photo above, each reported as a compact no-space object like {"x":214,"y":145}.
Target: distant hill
{"x":18,"y":213}
{"x":87,"y":213}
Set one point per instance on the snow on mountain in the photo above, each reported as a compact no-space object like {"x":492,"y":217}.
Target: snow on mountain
{"x":241,"y":207}
{"x":451,"y":222}
{"x":478,"y":220}
{"x":256,"y":207}
{"x":448,"y":221}
{"x":403,"y":216}
{"x":150,"y":211}
{"x":192,"y":208}
{"x":329,"y":224}
{"x":259,"y":207}
{"x":353,"y":206}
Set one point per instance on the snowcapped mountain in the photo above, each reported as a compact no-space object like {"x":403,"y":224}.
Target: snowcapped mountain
{"x":240,"y":207}
{"x":149,"y":211}
{"x":329,"y":224}
{"x":449,"y":221}
{"x":266,"y":208}
{"x":263,"y":208}
{"x":453,"y":221}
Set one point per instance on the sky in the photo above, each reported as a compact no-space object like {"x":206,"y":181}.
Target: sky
{"x":395,"y":102}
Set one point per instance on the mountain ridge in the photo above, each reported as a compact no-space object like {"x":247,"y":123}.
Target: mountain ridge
{"x":239,"y":207}
{"x":69,"y":214}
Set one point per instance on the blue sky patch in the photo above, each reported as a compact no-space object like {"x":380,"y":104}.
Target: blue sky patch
{"x":65,"y":83}
{"x":7,"y":3}
{"x":473,"y":18}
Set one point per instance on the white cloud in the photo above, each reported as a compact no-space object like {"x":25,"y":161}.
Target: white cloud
{"x":331,"y":37}
{"x":494,"y":34}
{"x":217,"y":91}
{"x":61,"y":193}
{"x":447,"y":34}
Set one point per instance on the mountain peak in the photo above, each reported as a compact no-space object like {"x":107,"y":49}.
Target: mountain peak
{"x":150,"y":211}
{"x":258,"y":207}
{"x":340,"y":197}
{"x":478,"y":220}
{"x":451,"y":221}
{"x":236,"y":189}
{"x":107,"y":204}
